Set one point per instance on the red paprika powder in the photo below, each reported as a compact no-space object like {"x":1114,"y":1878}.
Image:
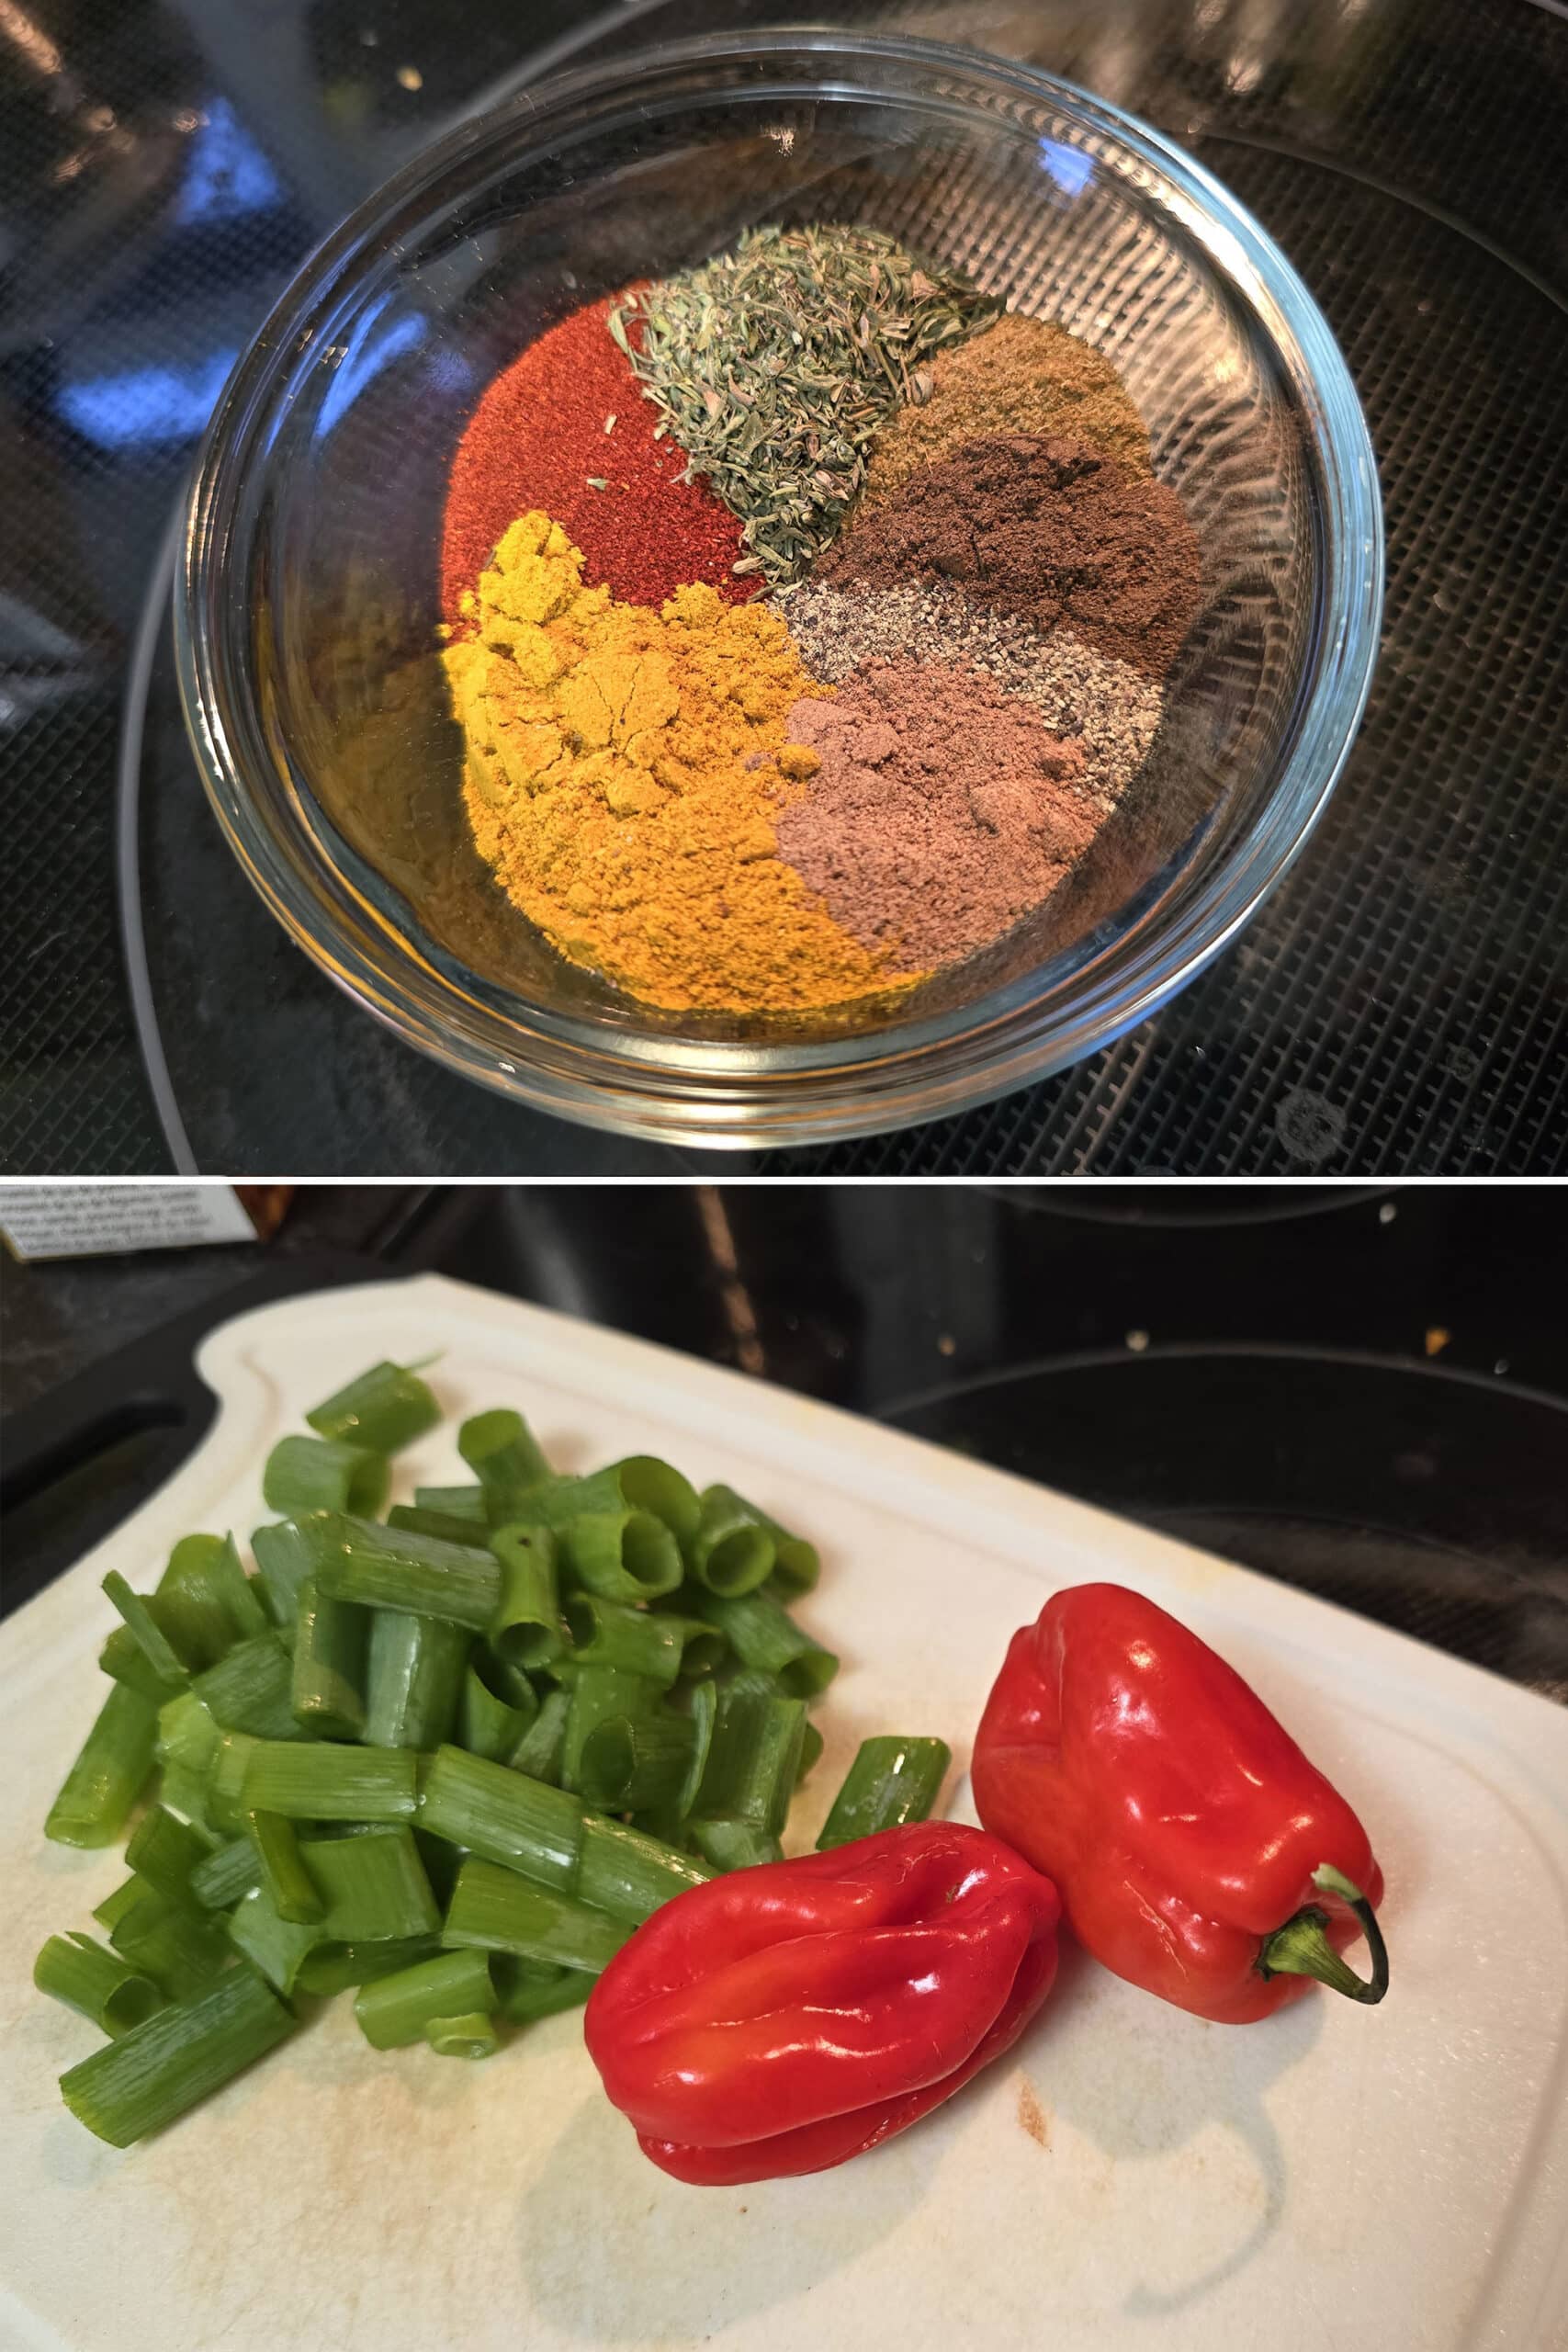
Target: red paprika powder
{"x":537,"y":439}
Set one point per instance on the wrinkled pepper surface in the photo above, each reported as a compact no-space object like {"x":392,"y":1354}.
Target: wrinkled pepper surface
{"x":1198,"y":1853}
{"x":785,"y":2017}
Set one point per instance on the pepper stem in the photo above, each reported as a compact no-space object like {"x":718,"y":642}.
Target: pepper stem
{"x":1301,"y":1948}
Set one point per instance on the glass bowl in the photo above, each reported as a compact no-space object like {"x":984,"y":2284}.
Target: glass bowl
{"x":307,"y":613}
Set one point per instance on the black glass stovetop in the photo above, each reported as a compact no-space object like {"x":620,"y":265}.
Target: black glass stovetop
{"x":1362,"y":1391}
{"x":1400,"y":1007}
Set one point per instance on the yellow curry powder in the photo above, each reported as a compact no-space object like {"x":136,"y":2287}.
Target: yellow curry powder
{"x":624,"y":767}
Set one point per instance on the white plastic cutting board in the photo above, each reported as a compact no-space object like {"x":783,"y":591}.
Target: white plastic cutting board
{"x":1337,"y":2178}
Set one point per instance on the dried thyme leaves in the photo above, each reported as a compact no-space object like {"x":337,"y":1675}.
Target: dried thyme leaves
{"x":773,"y":366}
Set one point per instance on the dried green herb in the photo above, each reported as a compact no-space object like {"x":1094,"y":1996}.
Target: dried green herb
{"x":773,"y":366}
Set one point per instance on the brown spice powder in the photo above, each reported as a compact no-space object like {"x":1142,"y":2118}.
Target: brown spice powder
{"x":1048,"y":530}
{"x":1021,"y":377}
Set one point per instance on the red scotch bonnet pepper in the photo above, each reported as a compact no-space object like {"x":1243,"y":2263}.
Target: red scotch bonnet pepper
{"x":782,"y":2018}
{"x":1198,"y":1852}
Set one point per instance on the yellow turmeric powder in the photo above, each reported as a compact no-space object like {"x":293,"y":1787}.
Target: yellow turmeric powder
{"x":624,"y":769}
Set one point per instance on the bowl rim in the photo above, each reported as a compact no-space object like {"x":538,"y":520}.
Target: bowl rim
{"x":725,"y":1095}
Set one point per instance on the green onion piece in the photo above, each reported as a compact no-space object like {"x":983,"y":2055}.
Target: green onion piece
{"x":185,"y":1793}
{"x":97,"y":1983}
{"x":286,"y":1553}
{"x":178,"y":1949}
{"x":703,"y":1648}
{"x":314,"y":1780}
{"x":190,"y":1604}
{"x":226,"y":1782}
{"x":762,"y":1635}
{"x":143,"y":2081}
{"x":538,"y":1753}
{"x":123,"y":1659}
{"x":494,"y":1910}
{"x":637,"y":1641}
{"x":453,"y":1502}
{"x":732,"y":1551}
{"x":531,"y":1989}
{"x":413,"y":1680}
{"x":330,"y":1968}
{"x":218,"y":1880}
{"x":394,"y":2010}
{"x":278,"y":1947}
{"x":188,"y":1736}
{"x":206,"y":1569}
{"x":811,"y":1746}
{"x":595,"y":1694}
{"x":702,"y":1713}
{"x":501,"y":1450}
{"x":383,"y":1411}
{"x":731,"y":1844}
{"x":385,"y":1567}
{"x":499,"y":1814}
{"x":374,"y":1886}
{"x":248,"y":1690}
{"x":622,"y":1529}
{"x":107,"y":1778}
{"x":145,"y":1620}
{"x":446,"y":1526}
{"x":526,"y":1628}
{"x":637,"y":1763}
{"x":290,"y":1888}
{"x":165,"y":1852}
{"x":473,"y":2036}
{"x":124,"y":1900}
{"x":753,"y":1760}
{"x":488,"y":1723}
{"x":327,"y":1685}
{"x":629,"y":1874}
{"x":795,"y":1566}
{"x":313,"y":1473}
{"x":892,"y":1779}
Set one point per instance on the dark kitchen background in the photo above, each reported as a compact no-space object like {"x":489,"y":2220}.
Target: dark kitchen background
{"x":1361,"y":1390}
{"x":1402,"y":1005}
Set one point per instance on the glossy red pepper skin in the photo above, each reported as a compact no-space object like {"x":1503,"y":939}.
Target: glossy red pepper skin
{"x":1179,"y":1820}
{"x":783,"y":2018}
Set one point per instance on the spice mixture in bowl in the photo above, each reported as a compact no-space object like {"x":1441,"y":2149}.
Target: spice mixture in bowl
{"x":781,"y":588}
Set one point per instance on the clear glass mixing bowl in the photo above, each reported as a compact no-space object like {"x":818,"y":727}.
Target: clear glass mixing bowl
{"x":308,"y":606}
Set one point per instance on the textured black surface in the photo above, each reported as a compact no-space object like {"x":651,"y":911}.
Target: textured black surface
{"x":1360,"y":1391}
{"x":1402,"y":1004}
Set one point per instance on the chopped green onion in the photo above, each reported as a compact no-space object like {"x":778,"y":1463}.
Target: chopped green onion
{"x":165,"y":1852}
{"x":811,"y":1746}
{"x":117,"y":1905}
{"x":473,"y":2036}
{"x":314,"y":1780}
{"x":143,"y":2081}
{"x":327,"y":1687}
{"x":330,"y":1968}
{"x":494,"y":1910}
{"x":248,"y":1690}
{"x":178,"y":1949}
{"x":753,"y":1760}
{"x":637,"y":1641}
{"x":446,"y":1526}
{"x":526,"y":1628}
{"x":594,"y":1695}
{"x":214,"y":1572}
{"x":278,"y":1947}
{"x":123,"y":1659}
{"x":374,"y":1886}
{"x":292,"y":1891}
{"x":286,"y":1553}
{"x":621,"y":1528}
{"x":732,"y":1551}
{"x":732,"y":1845}
{"x":453,"y":1502}
{"x":499,"y":1814}
{"x":384,"y":1409}
{"x":315,"y":1474}
{"x":97,"y":1983}
{"x":145,"y":1620}
{"x":501,"y":1450}
{"x":107,"y":1778}
{"x":385,"y":1567}
{"x":193,"y":1604}
{"x":219,"y":1882}
{"x":629,"y":1874}
{"x":762,"y":1635}
{"x":394,"y":2010}
{"x":413,"y":1680}
{"x":226,"y":1805}
{"x":185,"y":1793}
{"x":637,"y":1763}
{"x":188,"y":1736}
{"x":538,"y":1753}
{"x":891,"y":1781}
{"x":532,"y":1989}
{"x":488,"y":1723}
